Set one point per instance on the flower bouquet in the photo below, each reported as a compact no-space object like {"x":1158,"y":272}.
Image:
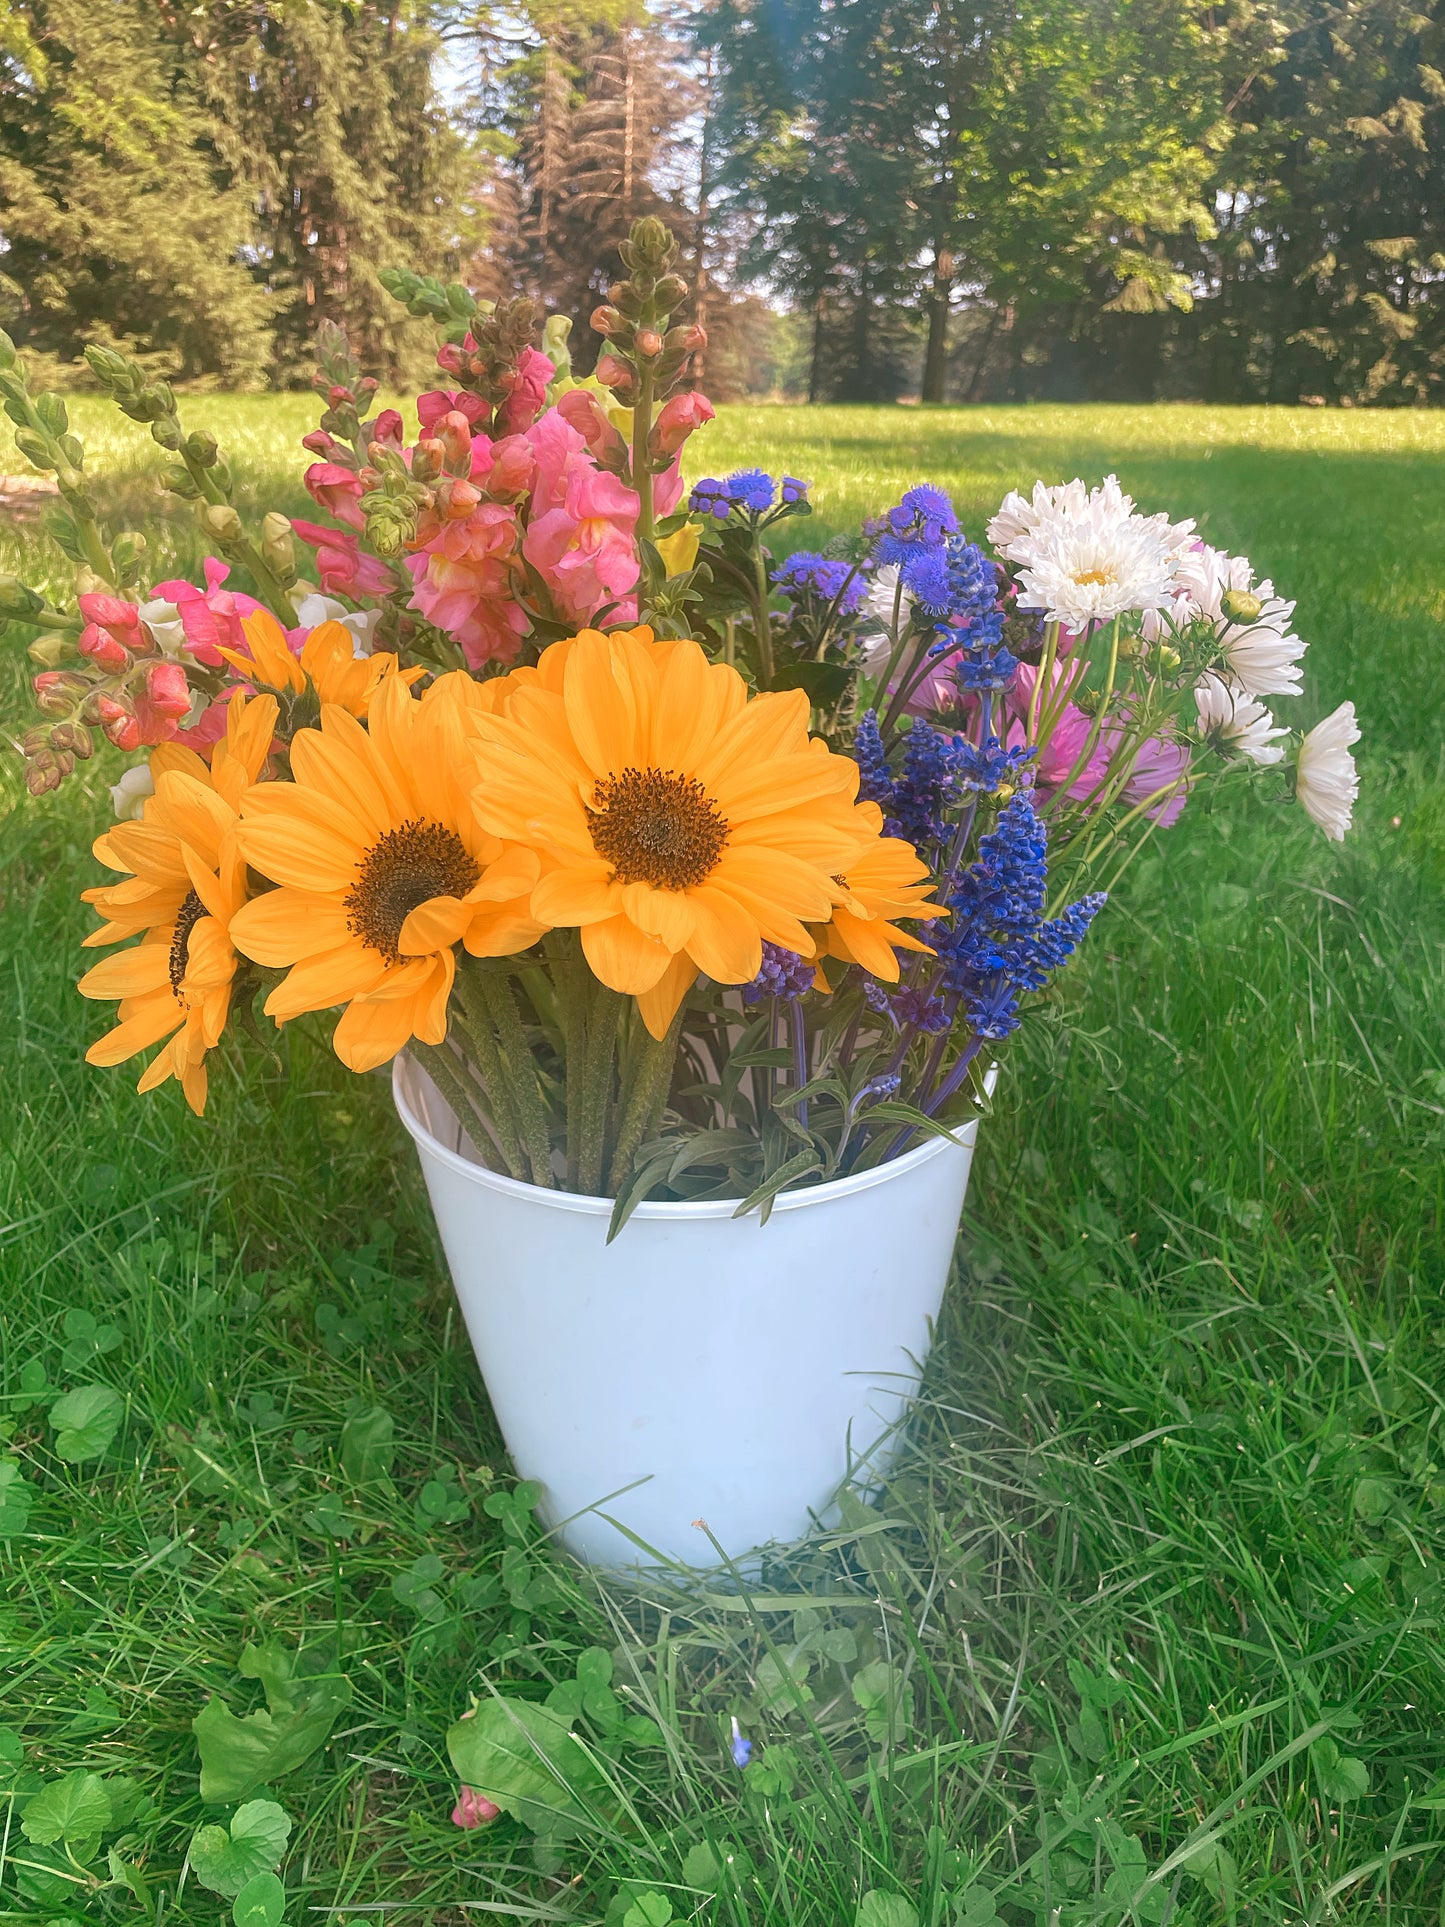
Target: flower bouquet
{"x":690,"y":879}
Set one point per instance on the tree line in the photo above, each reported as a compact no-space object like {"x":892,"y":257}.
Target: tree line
{"x":1003,"y":199}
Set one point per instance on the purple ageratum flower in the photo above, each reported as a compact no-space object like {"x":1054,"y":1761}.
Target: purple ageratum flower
{"x":710,"y":497}
{"x":920,"y":522}
{"x":792,"y":490}
{"x":751,"y":488}
{"x":784,"y":974}
{"x":741,"y":1749}
{"x":819,"y":576}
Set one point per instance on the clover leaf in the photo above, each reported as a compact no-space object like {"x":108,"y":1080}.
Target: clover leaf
{"x":260,"y":1903}
{"x":16,"y":1497}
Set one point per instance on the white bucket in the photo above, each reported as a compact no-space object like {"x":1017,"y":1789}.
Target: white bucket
{"x":701,"y":1366}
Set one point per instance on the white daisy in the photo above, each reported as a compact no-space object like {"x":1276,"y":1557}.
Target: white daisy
{"x":1261,"y":651}
{"x":1235,"y":723}
{"x":1021,"y":525}
{"x":1095,"y":565}
{"x":128,"y":796}
{"x":1326,"y":781}
{"x":876,"y":645}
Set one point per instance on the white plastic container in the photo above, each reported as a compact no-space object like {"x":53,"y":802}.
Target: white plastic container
{"x":701,"y":1366}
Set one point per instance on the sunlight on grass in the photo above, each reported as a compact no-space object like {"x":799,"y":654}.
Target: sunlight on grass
{"x":1156,"y":1621}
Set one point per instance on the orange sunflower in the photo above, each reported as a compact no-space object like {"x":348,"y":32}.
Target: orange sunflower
{"x":186,"y":881}
{"x":679,"y":822}
{"x":886,"y":879}
{"x":382,"y":868}
{"x":327,"y":661}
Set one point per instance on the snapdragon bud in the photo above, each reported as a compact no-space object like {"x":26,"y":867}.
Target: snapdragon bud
{"x":46,"y":651}
{"x":606,"y":320}
{"x":220,"y":521}
{"x":1241,"y":605}
{"x":649,"y":343}
{"x":277,"y":546}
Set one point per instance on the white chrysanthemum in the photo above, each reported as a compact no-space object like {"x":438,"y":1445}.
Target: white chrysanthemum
{"x":1262,"y":654}
{"x":1235,"y":723}
{"x":1325,"y":778}
{"x":878,"y":602}
{"x":128,"y":796}
{"x":1021,"y":525}
{"x":1093,"y":566}
{"x":312,"y":609}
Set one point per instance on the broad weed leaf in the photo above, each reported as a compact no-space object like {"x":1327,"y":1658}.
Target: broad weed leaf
{"x":226,"y":1861}
{"x":368,"y":1446}
{"x":16,"y":1497}
{"x":1341,"y":1778}
{"x":648,"y":1910}
{"x":75,"y":1809}
{"x":239,"y":1755}
{"x":260,"y":1903}
{"x":85,"y":1421}
{"x":885,"y":1910}
{"x":523,"y":1758}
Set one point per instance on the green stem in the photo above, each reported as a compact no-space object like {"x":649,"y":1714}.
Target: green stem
{"x":597,"y":1089}
{"x":1045,"y":670}
{"x":564,"y":957}
{"x":451,"y":1080}
{"x":476,"y":1028}
{"x":646,"y":1100}
{"x":762,"y":621}
{"x":1095,"y":728}
{"x":641,"y":465}
{"x":500,"y":999}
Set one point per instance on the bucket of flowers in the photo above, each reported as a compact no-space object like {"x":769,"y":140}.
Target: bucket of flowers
{"x":690,"y":883}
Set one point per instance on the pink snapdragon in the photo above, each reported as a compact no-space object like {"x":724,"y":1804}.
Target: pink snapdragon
{"x":210,"y":617}
{"x":580,"y":536}
{"x":527,"y":391}
{"x":676,"y":420}
{"x":465,"y":586}
{"x":343,"y":568}
{"x":473,"y":1809}
{"x":437,"y":402}
{"x":338,"y":490}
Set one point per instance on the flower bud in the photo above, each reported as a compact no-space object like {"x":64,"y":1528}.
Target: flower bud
{"x":102,"y":649}
{"x":459,"y":500}
{"x":120,"y":725}
{"x":337,"y":395}
{"x":449,"y":358}
{"x":277,"y":547}
{"x":168,"y":690}
{"x":42,"y":773}
{"x":606,"y":320}
{"x":615,"y":374}
{"x":427,"y":459}
{"x":676,"y":420}
{"x":318,"y":442}
{"x":54,"y":693}
{"x":651,"y":239}
{"x":220,"y":521}
{"x":649,"y":343}
{"x":87,"y":582}
{"x":669,"y":291}
{"x":73,"y":739}
{"x":46,"y":651}
{"x":1168,"y":657}
{"x":201,"y":448}
{"x":1241,"y":605}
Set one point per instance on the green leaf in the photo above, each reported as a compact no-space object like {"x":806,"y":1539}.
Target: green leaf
{"x":885,"y":1910}
{"x":239,"y":1755}
{"x":101,"y":1713}
{"x":368,"y":1445}
{"x":825,"y":682}
{"x":75,"y":1809}
{"x":882,"y":1697}
{"x":226,"y":1861}
{"x":1374,"y":1499}
{"x":85,"y":1340}
{"x":85,"y":1421}
{"x":414,"y":1588}
{"x":648,"y":1910}
{"x":1341,"y":1777}
{"x":260,"y":1903}
{"x":16,"y":1497}
{"x":12,"y":1747}
{"x":523,"y":1758}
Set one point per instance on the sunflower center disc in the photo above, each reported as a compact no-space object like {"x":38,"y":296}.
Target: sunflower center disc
{"x":654,"y":826}
{"x":407,"y":868}
{"x":187,"y":917}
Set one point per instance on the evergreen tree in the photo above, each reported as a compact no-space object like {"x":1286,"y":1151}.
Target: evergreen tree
{"x":325,"y":110}
{"x":119,"y":224}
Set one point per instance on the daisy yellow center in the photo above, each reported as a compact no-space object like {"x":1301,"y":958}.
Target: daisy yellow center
{"x":406,"y":868}
{"x":655,"y":826}
{"x":1093,"y":576}
{"x":187,"y":917}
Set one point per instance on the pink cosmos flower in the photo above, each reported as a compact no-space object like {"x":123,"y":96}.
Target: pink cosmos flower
{"x":338,"y":490}
{"x":528,"y":392}
{"x":1158,"y":764}
{"x":211,"y":617}
{"x":1067,"y":740}
{"x":465,"y":584}
{"x":344,"y":569}
{"x":473,"y":1809}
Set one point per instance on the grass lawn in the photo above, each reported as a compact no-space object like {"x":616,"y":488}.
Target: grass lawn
{"x":1154,"y":1631}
